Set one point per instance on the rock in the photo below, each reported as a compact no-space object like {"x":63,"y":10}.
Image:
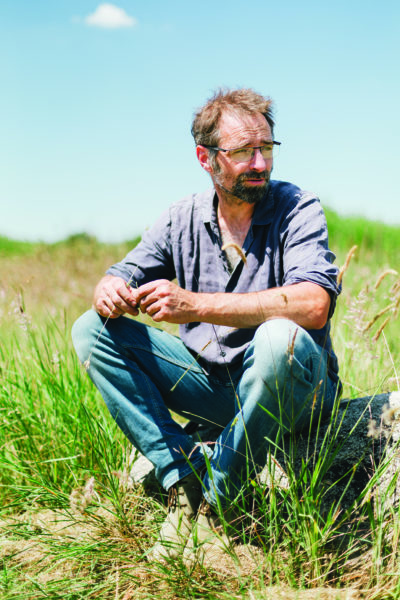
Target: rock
{"x":356,"y":448}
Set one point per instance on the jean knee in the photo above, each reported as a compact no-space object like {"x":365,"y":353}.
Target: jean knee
{"x":291,"y":349}
{"x":277,"y":338}
{"x":84,"y":332}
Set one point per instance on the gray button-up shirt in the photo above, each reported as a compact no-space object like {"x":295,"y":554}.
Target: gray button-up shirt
{"x":287,"y":243}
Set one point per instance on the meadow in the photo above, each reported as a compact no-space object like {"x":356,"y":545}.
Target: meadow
{"x":73,"y":525}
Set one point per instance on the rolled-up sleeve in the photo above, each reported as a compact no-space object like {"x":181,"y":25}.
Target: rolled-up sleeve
{"x":306,"y":255}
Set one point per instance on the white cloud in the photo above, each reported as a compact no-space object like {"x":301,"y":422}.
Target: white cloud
{"x":110,"y":16}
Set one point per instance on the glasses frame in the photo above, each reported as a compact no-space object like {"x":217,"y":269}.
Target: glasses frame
{"x":253,"y":148}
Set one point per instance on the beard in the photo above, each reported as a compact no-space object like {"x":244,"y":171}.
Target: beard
{"x":252,"y":194}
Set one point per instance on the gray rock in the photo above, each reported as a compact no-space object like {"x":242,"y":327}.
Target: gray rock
{"x":356,"y":452}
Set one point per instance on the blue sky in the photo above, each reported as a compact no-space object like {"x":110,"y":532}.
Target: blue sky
{"x":97,"y":99}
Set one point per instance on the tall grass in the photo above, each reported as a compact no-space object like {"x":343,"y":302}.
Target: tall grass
{"x":73,"y":525}
{"x":376,"y":240}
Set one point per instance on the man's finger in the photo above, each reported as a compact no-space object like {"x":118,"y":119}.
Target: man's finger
{"x":119,"y":301}
{"x":105,"y":307}
{"x":125,"y":292}
{"x":148,"y":288}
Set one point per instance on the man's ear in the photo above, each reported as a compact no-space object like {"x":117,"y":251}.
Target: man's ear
{"x":203,"y":158}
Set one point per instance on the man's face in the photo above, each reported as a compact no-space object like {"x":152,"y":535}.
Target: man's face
{"x":247,"y":181}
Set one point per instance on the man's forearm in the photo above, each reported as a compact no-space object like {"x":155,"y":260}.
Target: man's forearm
{"x":304,"y":303}
{"x":307,"y":304}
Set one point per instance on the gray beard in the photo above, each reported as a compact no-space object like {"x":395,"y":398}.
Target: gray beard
{"x":250,"y":195}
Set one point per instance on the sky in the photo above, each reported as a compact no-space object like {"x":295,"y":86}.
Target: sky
{"x":96,"y":103}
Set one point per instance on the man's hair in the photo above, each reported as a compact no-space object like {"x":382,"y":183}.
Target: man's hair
{"x":205,"y":126}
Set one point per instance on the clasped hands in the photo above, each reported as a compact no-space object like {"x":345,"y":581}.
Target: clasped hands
{"x":161,"y":299}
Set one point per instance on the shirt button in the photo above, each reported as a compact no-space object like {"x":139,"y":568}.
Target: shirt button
{"x":223,"y":354}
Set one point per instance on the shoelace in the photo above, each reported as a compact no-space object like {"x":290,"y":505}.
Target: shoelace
{"x":205,"y":508}
{"x":172,"y":497}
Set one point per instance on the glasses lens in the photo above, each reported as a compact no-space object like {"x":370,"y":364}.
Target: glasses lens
{"x":246,"y":154}
{"x":241,"y":154}
{"x":267,"y":151}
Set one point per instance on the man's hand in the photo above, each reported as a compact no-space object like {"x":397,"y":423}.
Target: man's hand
{"x":165,"y":301}
{"x":113,"y":297}
{"x":307,"y":304}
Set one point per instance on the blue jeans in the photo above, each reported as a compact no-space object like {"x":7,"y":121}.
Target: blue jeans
{"x":143,"y":373}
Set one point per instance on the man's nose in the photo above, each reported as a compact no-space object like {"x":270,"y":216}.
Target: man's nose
{"x":258,"y":162}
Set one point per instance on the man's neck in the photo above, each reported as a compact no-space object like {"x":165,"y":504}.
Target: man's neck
{"x":234,"y":218}
{"x":233,"y":208}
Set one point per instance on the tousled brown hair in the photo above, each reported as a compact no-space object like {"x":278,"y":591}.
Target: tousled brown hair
{"x":205,"y":126}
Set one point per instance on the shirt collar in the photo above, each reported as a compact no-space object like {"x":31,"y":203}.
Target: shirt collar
{"x":206,"y":201}
{"x":263,"y":213}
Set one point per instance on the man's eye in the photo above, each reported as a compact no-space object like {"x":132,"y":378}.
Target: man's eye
{"x":242,"y":153}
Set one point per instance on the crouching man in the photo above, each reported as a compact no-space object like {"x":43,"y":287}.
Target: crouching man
{"x":255,"y":290}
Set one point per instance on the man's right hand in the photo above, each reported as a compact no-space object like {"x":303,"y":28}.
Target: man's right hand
{"x":113,"y":297}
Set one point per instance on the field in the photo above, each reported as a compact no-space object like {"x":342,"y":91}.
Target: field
{"x":72,"y":524}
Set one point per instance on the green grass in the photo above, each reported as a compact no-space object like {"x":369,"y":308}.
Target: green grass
{"x":73,"y":526}
{"x":377,"y":239}
{"x":9,"y":247}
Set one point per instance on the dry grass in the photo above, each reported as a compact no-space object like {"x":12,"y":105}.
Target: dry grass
{"x":73,"y":525}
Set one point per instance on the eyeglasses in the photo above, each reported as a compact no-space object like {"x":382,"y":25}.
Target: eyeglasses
{"x":241,"y":155}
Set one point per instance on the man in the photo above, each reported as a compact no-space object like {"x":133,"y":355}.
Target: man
{"x":254,"y":294}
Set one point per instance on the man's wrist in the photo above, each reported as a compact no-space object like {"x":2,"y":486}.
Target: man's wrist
{"x":200,"y":306}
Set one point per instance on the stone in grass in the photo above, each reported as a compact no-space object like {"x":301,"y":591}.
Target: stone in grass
{"x":359,"y":446}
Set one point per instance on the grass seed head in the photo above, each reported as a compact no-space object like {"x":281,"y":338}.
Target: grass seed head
{"x":381,"y":328}
{"x":373,"y":430}
{"x":389,"y":414}
{"x":383,"y":275}
{"x":378,"y":315}
{"x":343,"y":269}
{"x":237,"y":248}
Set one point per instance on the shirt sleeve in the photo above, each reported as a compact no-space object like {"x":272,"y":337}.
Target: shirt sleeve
{"x":306,"y":255}
{"x":151,"y":259}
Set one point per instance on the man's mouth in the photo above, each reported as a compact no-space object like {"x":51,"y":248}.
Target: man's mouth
{"x":254,"y":177}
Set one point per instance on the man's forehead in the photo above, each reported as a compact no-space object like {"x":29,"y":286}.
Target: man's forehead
{"x":241,"y":127}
